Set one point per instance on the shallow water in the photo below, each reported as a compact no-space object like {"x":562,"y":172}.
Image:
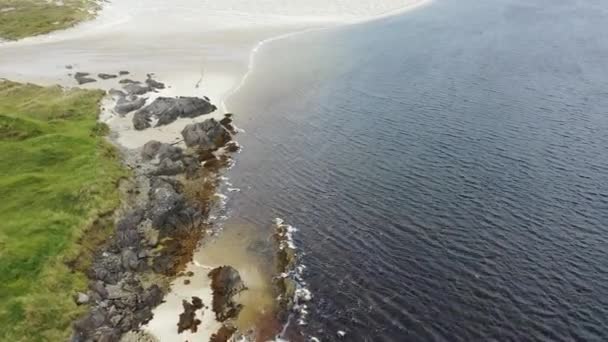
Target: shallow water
{"x":447,"y":170}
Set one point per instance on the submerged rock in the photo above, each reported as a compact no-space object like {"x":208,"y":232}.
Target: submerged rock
{"x":168,"y":109}
{"x":206,"y":135}
{"x":106,"y":76}
{"x":226,"y":282}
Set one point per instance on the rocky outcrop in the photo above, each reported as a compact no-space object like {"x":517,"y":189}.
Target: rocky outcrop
{"x":206,"y":135}
{"x":226,"y":283}
{"x":167,"y":109}
{"x":159,"y":228}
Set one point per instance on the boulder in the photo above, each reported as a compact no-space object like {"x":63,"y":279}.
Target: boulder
{"x":168,"y":109}
{"x":128,"y":104}
{"x":123,"y":72}
{"x":206,"y":135}
{"x":154,"y":148}
{"x":226,"y":282}
{"x":141,"y":121}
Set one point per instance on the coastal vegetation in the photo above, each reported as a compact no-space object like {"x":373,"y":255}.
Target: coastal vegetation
{"x":24,"y":18}
{"x":58,"y":180}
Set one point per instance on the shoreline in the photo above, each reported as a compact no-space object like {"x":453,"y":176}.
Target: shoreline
{"x":130,"y":140}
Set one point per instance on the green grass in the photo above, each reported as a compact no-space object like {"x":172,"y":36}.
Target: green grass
{"x":58,"y":175}
{"x":24,"y":18}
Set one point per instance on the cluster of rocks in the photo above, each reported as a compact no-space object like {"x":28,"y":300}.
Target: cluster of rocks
{"x":156,"y":234}
{"x":85,"y":77}
{"x":165,"y":110}
{"x":130,"y":98}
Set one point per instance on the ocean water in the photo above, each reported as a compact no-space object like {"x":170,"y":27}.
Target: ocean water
{"x":447,"y":170}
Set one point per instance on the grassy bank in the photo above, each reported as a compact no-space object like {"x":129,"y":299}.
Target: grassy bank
{"x":57,"y":175}
{"x":24,"y":18}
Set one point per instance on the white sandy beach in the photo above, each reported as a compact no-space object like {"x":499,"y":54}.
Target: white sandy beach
{"x":183,"y":42}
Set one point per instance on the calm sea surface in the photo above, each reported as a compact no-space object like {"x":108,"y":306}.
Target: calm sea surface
{"x":447,"y":169}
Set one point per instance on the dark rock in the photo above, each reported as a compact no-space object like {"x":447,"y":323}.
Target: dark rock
{"x":123,"y":72}
{"x":168,"y":109}
{"x":95,"y":319}
{"x":226,"y":283}
{"x":128,"y":81}
{"x":166,"y":202}
{"x":81,"y":78}
{"x":153,"y":296}
{"x":227,"y":122}
{"x":117,"y":93}
{"x":126,"y":229}
{"x":127,"y":105}
{"x":135,"y":89}
{"x":197,"y":302}
{"x":187,"y":319}
{"x":154,"y":84}
{"x":186,"y":281}
{"x":141,"y":121}
{"x":223,"y":334}
{"x":232,"y":147}
{"x":99,"y":288}
{"x":129,"y":259}
{"x":106,"y":76}
{"x":150,"y":149}
{"x":168,"y":167}
{"x":154,"y":148}
{"x":69,"y":67}
{"x":206,"y":135}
